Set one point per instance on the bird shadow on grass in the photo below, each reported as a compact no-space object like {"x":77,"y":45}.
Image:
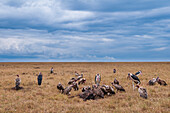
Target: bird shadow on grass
{"x":14,"y":89}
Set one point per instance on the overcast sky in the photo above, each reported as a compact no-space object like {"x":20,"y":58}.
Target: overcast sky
{"x":84,"y":30}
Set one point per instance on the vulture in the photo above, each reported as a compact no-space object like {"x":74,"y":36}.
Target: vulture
{"x":73,"y":78}
{"x":94,"y":86}
{"x":152,"y":82}
{"x":98,"y":93}
{"x":60,"y":87}
{"x":116,"y":81}
{"x":67,"y":90}
{"x":39,"y":78}
{"x":142,"y":92}
{"x":75,"y":86}
{"x":79,"y":77}
{"x":134,"y":79}
{"x":138,"y":73}
{"x":17,"y":83}
{"x":108,"y":89}
{"x":114,"y":70}
{"x":82,"y":81}
{"x":86,"y":88}
{"x":71,"y":81}
{"x":161,"y":82}
{"x":87,"y":95}
{"x":76,"y":74}
{"x":118,"y":87}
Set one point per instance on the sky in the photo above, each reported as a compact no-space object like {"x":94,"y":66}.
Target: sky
{"x":84,"y":30}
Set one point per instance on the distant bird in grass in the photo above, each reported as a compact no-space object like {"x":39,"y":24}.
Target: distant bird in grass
{"x":114,"y":70}
{"x":75,"y":86}
{"x":116,"y":81}
{"x":39,"y":78}
{"x":80,"y":76}
{"x":161,"y":82}
{"x":134,"y":79}
{"x":51,"y":70}
{"x":60,"y":87}
{"x":76,"y":74}
{"x":152,"y":82}
{"x":97,"y":79}
{"x":107,"y":89}
{"x":71,"y":81}
{"x":142,"y":92}
{"x":138,"y":73}
{"x":86,"y":88}
{"x":67,"y":90}
{"x":17,"y":83}
{"x":118,"y":87}
{"x":82,"y":81}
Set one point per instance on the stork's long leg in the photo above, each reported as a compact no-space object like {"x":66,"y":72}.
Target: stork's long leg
{"x":133,"y":85}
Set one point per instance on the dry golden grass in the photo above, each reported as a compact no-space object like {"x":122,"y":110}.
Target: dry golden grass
{"x":46,"y":98}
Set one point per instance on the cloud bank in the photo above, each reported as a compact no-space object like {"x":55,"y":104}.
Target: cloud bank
{"x":83,"y":30}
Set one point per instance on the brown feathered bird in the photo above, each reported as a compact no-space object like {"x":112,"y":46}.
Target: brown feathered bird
{"x":107,"y":89}
{"x":71,"y":81}
{"x":82,"y":81}
{"x":116,"y":81}
{"x":161,"y":82}
{"x":118,"y":87}
{"x":67,"y":90}
{"x":152,"y":82}
{"x":142,"y":92}
{"x":60,"y":87}
{"x":75,"y":86}
{"x":79,"y":77}
{"x":86,"y":88}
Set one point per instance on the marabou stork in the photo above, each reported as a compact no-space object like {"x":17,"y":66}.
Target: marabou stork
{"x":134,"y":79}
{"x":138,"y":73}
{"x":97,"y":79}
{"x":17,"y":83}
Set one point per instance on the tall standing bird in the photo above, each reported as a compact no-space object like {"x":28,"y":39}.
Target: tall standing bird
{"x":138,"y":73}
{"x":17,"y":83}
{"x":39,"y":78}
{"x":51,"y":70}
{"x":97,"y":79}
{"x":134,"y":79}
{"x":142,"y":91}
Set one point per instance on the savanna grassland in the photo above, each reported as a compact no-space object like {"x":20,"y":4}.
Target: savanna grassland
{"x":46,"y":98}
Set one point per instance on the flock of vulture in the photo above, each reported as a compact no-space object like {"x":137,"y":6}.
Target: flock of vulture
{"x":97,"y":91}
